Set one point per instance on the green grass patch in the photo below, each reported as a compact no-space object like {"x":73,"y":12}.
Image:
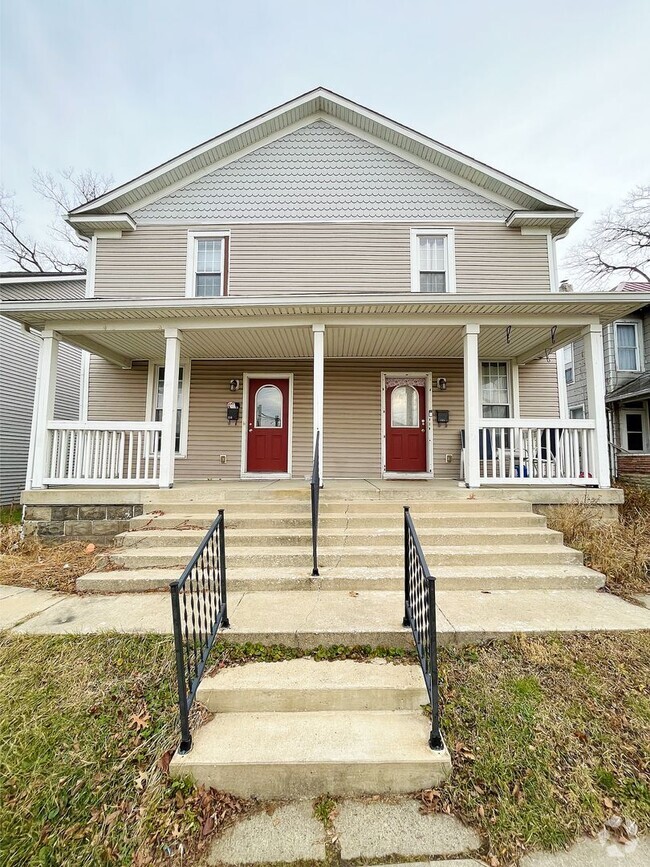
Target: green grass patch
{"x":84,"y":724}
{"x":548,"y":737}
{"x":10,"y":515}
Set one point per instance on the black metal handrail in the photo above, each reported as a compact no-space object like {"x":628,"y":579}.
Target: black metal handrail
{"x":315,"y":498}
{"x":420,"y":615}
{"x":199,"y":608}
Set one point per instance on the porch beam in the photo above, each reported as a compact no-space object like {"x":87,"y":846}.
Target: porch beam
{"x":595,"y":369}
{"x":96,"y":348}
{"x":473,"y":410}
{"x":44,"y":410}
{"x":170,"y":399}
{"x":319,"y":390}
{"x":517,"y":320}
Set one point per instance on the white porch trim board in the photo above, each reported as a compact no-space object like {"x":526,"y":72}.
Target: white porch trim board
{"x":170,"y":394}
{"x":319,"y":390}
{"x":472,"y":405}
{"x":595,"y":367}
{"x":48,"y":357}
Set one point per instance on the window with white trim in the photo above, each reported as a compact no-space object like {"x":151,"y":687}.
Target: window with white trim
{"x":432,"y":261}
{"x":577,"y":411}
{"x":182,"y":395}
{"x":207,"y":265}
{"x":495,"y":394}
{"x":634,"y":428}
{"x":569,"y":372}
{"x":627,"y":347}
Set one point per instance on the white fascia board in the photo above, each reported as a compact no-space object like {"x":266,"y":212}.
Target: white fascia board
{"x":309,"y":101}
{"x":518,"y":218}
{"x":55,"y":278}
{"x":623,"y":303}
{"x":79,"y":221}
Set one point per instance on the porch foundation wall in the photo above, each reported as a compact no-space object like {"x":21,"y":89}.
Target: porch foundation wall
{"x":86,"y":521}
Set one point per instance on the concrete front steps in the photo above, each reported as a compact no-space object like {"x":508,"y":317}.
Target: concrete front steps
{"x":299,"y":728}
{"x":470,"y":544}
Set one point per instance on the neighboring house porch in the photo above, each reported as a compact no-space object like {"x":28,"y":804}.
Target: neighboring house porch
{"x":438,"y":388}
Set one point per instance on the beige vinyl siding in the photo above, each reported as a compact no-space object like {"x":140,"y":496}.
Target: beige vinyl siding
{"x":115,"y":394}
{"x":538,"y":389}
{"x":301,"y":258}
{"x":210,"y":435}
{"x":353,"y":425}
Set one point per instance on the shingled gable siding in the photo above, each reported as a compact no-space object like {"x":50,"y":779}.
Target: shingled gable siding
{"x":352,"y":411}
{"x":277,"y":258}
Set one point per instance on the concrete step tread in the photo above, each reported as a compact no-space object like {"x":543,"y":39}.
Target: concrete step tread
{"x":341,"y":738}
{"x":308,"y":673}
{"x":369,"y":550}
{"x":336,"y":532}
{"x":301,"y":685}
{"x":336,"y":506}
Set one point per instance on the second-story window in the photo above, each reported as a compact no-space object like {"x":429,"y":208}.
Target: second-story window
{"x":432,"y":261}
{"x":207,"y":265}
{"x":627,"y":347}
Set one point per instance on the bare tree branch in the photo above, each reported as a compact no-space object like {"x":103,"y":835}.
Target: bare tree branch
{"x":63,"y":250}
{"x":618,"y":244}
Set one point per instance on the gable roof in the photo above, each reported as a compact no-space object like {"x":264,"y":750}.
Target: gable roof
{"x":321,"y":102}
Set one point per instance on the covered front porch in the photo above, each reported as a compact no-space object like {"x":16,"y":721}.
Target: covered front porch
{"x":340,"y":358}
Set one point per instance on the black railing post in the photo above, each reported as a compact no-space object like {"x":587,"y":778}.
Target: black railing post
{"x":420,"y":615}
{"x":186,"y":737}
{"x":405,"y":621}
{"x":222,"y":570}
{"x":199,"y":610}
{"x":435,"y":738}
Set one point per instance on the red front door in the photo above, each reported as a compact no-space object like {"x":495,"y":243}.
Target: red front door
{"x":406,"y":432}
{"x":268,"y":426}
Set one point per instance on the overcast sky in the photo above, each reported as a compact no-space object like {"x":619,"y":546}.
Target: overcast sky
{"x":554,"y":93}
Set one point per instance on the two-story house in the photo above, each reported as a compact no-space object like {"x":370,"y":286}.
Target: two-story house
{"x":322,"y":271}
{"x":626,"y":347}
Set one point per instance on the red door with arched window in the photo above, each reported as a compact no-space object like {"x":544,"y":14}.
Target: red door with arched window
{"x":406,"y":431}
{"x":268,"y":426}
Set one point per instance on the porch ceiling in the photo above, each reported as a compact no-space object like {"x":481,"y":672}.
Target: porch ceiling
{"x":353,"y":341}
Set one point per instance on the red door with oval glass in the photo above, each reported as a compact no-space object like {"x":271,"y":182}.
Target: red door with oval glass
{"x":268,"y":426}
{"x":406,"y":430}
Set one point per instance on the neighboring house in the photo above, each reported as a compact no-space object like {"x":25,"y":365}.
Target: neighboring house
{"x":626,"y":345}
{"x":323,"y":269}
{"x":19,"y":351}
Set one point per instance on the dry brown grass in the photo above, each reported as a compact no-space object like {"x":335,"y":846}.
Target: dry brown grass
{"x":620,"y":550}
{"x":28,"y":563}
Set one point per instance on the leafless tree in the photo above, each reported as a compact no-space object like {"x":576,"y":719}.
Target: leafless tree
{"x":617,"y":247}
{"x":63,"y":250}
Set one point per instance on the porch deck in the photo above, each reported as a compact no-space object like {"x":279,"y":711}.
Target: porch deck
{"x":222,"y":492}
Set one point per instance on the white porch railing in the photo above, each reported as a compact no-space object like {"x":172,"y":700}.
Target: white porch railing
{"x":537,"y":451}
{"x":100,"y":453}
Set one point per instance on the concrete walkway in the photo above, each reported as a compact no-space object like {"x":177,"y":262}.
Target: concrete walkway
{"x":309,"y":618}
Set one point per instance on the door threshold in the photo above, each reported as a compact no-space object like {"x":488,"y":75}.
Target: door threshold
{"x":397,"y":476}
{"x":269,"y":477}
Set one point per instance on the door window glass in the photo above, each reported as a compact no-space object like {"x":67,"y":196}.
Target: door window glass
{"x":405,"y":407}
{"x":268,"y":406}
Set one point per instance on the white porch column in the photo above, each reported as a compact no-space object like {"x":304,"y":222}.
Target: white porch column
{"x":595,"y":365}
{"x":472,"y":406}
{"x":319,"y":389}
{"x":48,"y":357}
{"x":170,"y":396}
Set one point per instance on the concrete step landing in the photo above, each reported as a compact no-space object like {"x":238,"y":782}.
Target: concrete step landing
{"x":305,"y":753}
{"x":508,"y":577}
